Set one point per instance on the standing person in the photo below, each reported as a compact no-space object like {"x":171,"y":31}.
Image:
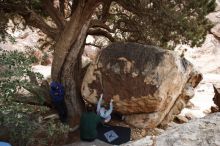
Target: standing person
{"x":57,"y":94}
{"x":102,"y":112}
{"x":88,"y":125}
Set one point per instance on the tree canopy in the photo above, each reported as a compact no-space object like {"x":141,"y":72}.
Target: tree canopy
{"x":155,"y":22}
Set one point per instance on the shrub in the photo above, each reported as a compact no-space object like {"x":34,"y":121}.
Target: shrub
{"x":14,"y":77}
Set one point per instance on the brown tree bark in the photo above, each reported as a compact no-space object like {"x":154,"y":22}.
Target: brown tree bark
{"x":65,"y":67}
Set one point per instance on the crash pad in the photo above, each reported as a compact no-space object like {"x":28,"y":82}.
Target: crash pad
{"x":114,"y":135}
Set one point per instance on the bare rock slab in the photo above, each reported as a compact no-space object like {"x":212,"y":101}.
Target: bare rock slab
{"x":198,"y":132}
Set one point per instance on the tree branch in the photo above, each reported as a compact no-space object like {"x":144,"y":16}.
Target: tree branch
{"x":74,"y":6}
{"x":62,"y":7}
{"x":54,"y":14}
{"x":33,"y":78}
{"x":31,"y":18}
{"x":35,"y":20}
{"x":91,"y":44}
{"x":105,"y":10}
{"x":34,"y":103}
{"x":97,"y":23}
{"x":101,"y":32}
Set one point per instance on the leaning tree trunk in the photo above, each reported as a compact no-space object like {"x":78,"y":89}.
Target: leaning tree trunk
{"x":69,"y":75}
{"x":67,"y":51}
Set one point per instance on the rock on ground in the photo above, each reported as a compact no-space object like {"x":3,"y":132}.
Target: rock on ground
{"x":94,"y":143}
{"x":198,"y":132}
{"x":148,"y":84}
{"x":216,"y":98}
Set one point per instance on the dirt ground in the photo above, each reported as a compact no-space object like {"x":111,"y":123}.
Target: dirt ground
{"x":136,"y":133}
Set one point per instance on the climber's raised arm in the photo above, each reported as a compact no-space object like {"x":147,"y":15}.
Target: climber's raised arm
{"x":109,"y":111}
{"x":99,"y":104}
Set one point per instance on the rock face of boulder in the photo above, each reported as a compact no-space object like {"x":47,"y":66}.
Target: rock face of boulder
{"x":148,"y":84}
{"x":216,"y":98}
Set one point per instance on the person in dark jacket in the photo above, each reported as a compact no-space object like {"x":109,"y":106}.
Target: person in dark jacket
{"x":88,"y":125}
{"x":57,"y":94}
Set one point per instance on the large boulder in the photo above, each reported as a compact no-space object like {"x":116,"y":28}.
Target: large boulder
{"x":148,"y":84}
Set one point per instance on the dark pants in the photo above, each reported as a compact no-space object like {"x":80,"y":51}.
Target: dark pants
{"x":62,"y":110}
{"x":88,"y":140}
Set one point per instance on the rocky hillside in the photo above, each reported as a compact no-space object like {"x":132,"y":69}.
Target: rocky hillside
{"x":207,"y":60}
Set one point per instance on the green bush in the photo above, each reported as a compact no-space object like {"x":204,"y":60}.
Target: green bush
{"x":23,"y":119}
{"x":14,"y":77}
{"x":15,"y":74}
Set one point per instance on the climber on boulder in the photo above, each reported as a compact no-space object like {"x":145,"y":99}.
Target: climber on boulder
{"x":102,"y":112}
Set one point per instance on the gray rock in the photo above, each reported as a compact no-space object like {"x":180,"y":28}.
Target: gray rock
{"x":198,"y":132}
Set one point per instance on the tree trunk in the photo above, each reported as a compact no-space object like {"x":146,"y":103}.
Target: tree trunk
{"x":66,"y":55}
{"x":69,"y":75}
